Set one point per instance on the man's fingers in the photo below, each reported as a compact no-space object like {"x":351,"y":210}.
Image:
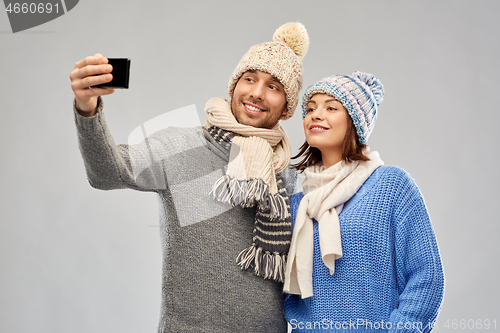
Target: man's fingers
{"x":93,"y":70}
{"x":90,"y":81}
{"x":96,"y":59}
{"x":106,"y":91}
{"x":98,"y":91}
{"x":90,"y":70}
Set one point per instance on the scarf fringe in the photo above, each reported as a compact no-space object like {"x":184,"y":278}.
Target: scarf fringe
{"x":250,"y":193}
{"x":266,"y":264}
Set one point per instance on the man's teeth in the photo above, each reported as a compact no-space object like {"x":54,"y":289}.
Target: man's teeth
{"x":253,"y":108}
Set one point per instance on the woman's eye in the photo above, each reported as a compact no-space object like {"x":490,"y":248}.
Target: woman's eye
{"x":310,"y":110}
{"x":331,"y":108}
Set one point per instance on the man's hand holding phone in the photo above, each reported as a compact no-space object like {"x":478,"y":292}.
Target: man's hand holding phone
{"x":88,"y":73}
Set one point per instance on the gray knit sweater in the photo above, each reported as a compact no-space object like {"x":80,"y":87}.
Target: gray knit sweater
{"x":203,"y":289}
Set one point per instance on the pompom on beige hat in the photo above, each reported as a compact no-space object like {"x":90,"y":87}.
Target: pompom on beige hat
{"x":281,"y":58}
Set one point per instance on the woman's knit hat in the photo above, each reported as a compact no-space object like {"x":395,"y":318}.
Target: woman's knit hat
{"x":281,"y":58}
{"x":360,"y":93}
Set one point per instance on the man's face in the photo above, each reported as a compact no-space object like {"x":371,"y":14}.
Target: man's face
{"x":259,"y":100}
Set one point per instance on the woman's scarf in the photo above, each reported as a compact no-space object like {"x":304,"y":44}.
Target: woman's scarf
{"x":325,"y":192}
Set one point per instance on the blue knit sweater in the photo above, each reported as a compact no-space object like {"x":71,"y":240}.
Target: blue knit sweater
{"x":390,"y":277}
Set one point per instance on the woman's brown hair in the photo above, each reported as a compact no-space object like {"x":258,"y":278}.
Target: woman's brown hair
{"x":352,"y":150}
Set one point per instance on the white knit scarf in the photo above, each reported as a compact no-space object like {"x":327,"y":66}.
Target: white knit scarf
{"x":259,"y":153}
{"x":325,"y":192}
{"x":256,"y":156}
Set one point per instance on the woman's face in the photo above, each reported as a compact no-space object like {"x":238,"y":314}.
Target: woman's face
{"x":325,"y":124}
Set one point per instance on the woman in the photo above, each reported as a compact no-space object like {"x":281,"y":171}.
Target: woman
{"x":363,"y":256}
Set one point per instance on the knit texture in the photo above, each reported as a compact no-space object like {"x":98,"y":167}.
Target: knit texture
{"x":281,"y":58}
{"x":325,"y":192}
{"x":360,"y":93}
{"x":256,"y":156}
{"x":203,"y":290}
{"x":391,"y":268}
{"x":262,"y":152}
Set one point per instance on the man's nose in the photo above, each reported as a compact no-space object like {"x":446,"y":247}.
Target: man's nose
{"x":258,"y":91}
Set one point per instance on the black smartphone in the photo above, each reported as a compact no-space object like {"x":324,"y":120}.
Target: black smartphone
{"x":120,"y":72}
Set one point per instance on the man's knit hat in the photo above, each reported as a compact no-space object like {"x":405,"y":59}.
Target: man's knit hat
{"x":281,"y":58}
{"x":360,"y":93}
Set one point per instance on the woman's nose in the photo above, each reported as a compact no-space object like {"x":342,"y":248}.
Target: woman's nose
{"x":317,"y":114}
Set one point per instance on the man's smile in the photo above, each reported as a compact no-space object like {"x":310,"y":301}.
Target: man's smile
{"x":252,"y":108}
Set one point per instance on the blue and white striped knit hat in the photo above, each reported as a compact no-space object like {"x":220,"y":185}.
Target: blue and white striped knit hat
{"x":360,"y":93}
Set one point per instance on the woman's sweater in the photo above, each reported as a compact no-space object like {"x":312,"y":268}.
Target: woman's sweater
{"x":390,"y":277}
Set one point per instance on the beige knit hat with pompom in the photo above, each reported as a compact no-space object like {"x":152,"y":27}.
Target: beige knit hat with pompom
{"x":281,"y":58}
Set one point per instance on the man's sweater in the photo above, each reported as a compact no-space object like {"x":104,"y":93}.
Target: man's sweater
{"x":203,"y":289}
{"x":390,"y":277}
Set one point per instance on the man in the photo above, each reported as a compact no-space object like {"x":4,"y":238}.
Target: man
{"x":224,"y":188}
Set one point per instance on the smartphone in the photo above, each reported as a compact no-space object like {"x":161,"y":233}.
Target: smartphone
{"x":121,"y":73}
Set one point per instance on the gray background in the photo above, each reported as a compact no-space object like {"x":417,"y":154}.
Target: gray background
{"x":76,"y":259}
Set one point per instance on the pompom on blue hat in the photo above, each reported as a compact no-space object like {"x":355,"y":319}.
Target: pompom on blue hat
{"x":360,"y":93}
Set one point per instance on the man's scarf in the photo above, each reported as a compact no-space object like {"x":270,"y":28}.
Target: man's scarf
{"x":325,"y":192}
{"x":256,"y":156}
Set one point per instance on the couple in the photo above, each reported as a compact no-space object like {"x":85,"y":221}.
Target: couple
{"x":356,"y":245}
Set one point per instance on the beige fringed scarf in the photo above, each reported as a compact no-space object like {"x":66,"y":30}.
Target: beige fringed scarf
{"x":325,"y":192}
{"x":256,"y":156}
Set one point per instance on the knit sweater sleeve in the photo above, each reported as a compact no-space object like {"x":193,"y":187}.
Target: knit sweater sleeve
{"x":110,"y":166}
{"x":420,"y":274}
